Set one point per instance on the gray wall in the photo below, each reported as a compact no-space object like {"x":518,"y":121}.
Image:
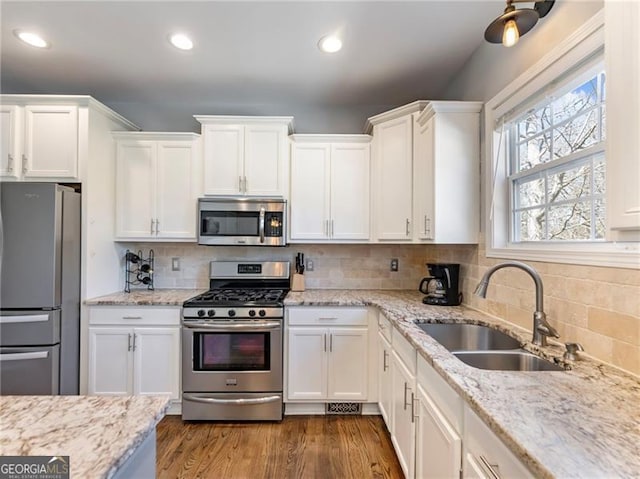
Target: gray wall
{"x":307,"y":118}
{"x":492,"y":67}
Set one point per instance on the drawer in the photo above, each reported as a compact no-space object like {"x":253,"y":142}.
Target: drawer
{"x":134,"y":316}
{"x":384,"y":326}
{"x":316,"y":316}
{"x":447,"y":400}
{"x":404,"y":349}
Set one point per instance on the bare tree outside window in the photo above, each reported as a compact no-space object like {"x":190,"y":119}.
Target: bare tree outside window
{"x":558,"y":167}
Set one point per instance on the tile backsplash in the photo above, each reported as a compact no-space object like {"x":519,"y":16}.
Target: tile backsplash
{"x":595,"y":306}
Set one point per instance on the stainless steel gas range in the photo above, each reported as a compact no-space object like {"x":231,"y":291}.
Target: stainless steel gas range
{"x":232,"y":343}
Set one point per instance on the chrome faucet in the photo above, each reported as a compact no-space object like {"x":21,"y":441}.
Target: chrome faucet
{"x":541,"y":328}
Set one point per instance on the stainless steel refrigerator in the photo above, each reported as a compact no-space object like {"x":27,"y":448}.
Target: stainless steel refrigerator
{"x":39,"y":289}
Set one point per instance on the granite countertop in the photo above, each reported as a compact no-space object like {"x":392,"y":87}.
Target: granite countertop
{"x":144,"y":297}
{"x":583,"y":422}
{"x":98,"y":433}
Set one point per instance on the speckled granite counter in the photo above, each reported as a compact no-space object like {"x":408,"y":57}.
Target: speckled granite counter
{"x":98,"y":434}
{"x":579,"y":423}
{"x":158,"y":297}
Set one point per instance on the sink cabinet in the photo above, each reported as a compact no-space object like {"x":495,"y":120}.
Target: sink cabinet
{"x":327,"y":354}
{"x":245,"y":155}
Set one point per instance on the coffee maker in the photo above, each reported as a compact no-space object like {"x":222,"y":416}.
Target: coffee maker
{"x":441,"y":286}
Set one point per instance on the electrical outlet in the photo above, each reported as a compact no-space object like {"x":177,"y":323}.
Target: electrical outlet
{"x":394,"y":264}
{"x":309,"y":266}
{"x":175,"y":264}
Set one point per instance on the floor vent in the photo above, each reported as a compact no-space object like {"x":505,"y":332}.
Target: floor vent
{"x":344,"y":408}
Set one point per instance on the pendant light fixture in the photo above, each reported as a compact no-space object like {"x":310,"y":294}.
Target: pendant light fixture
{"x":512,"y":24}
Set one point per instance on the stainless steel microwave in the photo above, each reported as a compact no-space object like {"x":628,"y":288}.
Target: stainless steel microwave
{"x":242,"y":221}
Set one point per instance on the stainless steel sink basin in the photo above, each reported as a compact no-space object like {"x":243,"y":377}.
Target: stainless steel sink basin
{"x":469,"y":337}
{"x":506,"y":361}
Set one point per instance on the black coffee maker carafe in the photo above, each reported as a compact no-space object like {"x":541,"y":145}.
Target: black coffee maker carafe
{"x":441,"y":286}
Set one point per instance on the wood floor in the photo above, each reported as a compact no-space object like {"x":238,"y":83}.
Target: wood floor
{"x":322,"y":447}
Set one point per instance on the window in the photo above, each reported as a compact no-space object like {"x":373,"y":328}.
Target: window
{"x":556,"y":164}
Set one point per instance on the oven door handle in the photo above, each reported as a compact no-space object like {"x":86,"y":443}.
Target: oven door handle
{"x":240,"y":326}
{"x":239,"y":402}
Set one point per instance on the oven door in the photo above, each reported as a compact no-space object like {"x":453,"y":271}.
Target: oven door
{"x":240,"y":356}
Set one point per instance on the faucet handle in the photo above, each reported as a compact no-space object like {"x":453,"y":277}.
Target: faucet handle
{"x":572,"y":349}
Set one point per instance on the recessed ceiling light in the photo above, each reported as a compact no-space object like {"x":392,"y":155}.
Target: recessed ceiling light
{"x":31,"y":38}
{"x":330,"y":44}
{"x":181,"y":41}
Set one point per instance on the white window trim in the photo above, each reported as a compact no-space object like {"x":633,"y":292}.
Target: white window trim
{"x":581,"y":45}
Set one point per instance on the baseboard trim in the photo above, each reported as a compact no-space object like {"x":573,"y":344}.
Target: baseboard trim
{"x":318,"y":409}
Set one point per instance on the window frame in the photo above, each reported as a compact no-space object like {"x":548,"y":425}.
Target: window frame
{"x":578,"y":53}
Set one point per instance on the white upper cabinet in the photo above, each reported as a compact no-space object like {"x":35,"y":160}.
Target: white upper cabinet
{"x":622,"y":57}
{"x":446,"y":169}
{"x":392,"y":171}
{"x":245,"y":155}
{"x":329,"y":197}
{"x":40,"y":142}
{"x":155,"y":191}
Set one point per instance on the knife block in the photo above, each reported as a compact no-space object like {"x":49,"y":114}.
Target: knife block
{"x":297,"y":282}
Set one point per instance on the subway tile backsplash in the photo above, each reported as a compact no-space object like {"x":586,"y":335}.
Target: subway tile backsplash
{"x":595,"y":306}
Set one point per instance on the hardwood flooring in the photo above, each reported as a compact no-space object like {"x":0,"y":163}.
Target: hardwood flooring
{"x":322,"y":447}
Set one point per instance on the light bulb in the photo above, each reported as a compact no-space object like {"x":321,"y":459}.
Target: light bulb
{"x":511,"y":34}
{"x":330,"y":44}
{"x":181,"y":41}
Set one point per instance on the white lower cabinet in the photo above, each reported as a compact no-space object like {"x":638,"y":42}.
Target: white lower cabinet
{"x":384,"y":379}
{"x":327,"y":362}
{"x":403,"y":393}
{"x":134,"y":351}
{"x":485,"y":456}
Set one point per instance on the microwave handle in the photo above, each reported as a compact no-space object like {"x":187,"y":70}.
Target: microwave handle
{"x":262,"y":211}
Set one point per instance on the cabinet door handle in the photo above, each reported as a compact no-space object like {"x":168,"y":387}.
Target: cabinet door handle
{"x":385,"y":355}
{"x":332,"y":228}
{"x":414,"y":416}
{"x":428,"y":227}
{"x":324,"y":337}
{"x":407,"y":226}
{"x":326,"y":228}
{"x":406,"y":388}
{"x":152,"y":221}
{"x":493,"y":469}
{"x":10,"y":163}
{"x":25,"y":164}
{"x":157,"y":226}
{"x":246,"y":188}
{"x":331,"y":343}
{"x":129,"y":343}
{"x":134,"y":341}
{"x":240,"y":184}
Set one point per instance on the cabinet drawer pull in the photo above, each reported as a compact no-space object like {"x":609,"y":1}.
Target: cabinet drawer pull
{"x":493,"y":469}
{"x":327,"y":319}
{"x":385,"y":355}
{"x":132,"y":317}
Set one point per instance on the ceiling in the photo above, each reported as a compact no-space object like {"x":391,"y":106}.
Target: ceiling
{"x":246,"y":54}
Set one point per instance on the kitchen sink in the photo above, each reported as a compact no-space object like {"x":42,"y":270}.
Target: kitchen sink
{"x":506,"y":361}
{"x":469,"y":337}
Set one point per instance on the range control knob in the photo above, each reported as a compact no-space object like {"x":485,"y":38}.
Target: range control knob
{"x":252,"y":312}
{"x":211,"y":313}
{"x":262,"y":312}
{"x":232,"y":313}
{"x":201,"y":312}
